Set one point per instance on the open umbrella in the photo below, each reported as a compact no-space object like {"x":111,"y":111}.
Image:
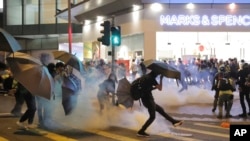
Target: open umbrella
{"x":3,"y":66}
{"x":123,"y":93}
{"x":162,"y":68}
{"x":7,"y":42}
{"x":30,"y":72}
{"x":69,"y":59}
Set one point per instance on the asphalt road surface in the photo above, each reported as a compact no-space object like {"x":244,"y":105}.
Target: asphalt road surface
{"x":196,"y":127}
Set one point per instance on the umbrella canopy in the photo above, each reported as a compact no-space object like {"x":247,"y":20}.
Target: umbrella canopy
{"x":69,"y":100}
{"x":123,"y":93}
{"x":3,"y":66}
{"x":69,"y":59}
{"x":162,"y":68}
{"x":7,"y":42}
{"x":30,"y":72}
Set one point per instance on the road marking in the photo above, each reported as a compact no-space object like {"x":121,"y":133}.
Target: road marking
{"x":110,"y":135}
{"x":212,"y":126}
{"x":6,"y":114}
{"x":52,"y":135}
{"x":169,"y":135}
{"x":202,"y":132}
{"x":3,"y":139}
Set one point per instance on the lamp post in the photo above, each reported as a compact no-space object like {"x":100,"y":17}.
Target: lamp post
{"x":113,"y":47}
{"x":69,"y":27}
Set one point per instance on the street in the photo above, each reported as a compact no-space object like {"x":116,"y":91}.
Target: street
{"x":121,"y":125}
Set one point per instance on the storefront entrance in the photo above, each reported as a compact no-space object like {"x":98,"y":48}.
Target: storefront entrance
{"x":204,"y":45}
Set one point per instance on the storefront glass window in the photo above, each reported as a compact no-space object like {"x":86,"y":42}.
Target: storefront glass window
{"x":31,"y":12}
{"x":62,"y":4}
{"x":48,"y":11}
{"x":14,"y":12}
{"x":132,"y":47}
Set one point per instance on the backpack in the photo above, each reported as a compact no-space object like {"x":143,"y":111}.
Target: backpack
{"x":224,"y":84}
{"x":136,"y":89}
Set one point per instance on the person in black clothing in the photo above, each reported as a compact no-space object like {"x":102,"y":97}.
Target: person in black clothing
{"x":106,"y":88}
{"x":215,"y":81}
{"x":143,"y":68}
{"x":149,"y":84}
{"x":31,"y":107}
{"x":243,"y":90}
{"x":19,"y":97}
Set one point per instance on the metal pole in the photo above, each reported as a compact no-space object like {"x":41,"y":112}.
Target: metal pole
{"x":69,"y":26}
{"x":113,"y":47}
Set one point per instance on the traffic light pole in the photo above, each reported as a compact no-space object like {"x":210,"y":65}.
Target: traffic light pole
{"x":113,"y":48}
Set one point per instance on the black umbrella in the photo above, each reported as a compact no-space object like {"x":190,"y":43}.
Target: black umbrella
{"x":163,"y":68}
{"x":123,"y":93}
{"x":3,"y":66}
{"x":7,"y":42}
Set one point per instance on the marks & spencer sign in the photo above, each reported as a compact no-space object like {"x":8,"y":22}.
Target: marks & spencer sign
{"x":205,"y":20}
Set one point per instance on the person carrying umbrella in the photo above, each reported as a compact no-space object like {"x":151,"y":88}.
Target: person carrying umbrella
{"x":31,"y":108}
{"x":105,"y":88}
{"x":147,"y":99}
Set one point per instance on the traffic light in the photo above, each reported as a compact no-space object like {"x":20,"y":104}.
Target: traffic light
{"x":116,"y":36}
{"x":105,"y":39}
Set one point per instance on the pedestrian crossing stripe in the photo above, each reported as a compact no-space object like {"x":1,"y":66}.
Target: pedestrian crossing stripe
{"x":55,"y":136}
{"x":168,"y":135}
{"x":110,"y":135}
{"x":202,"y":132}
{"x":3,"y":139}
{"x":211,"y":126}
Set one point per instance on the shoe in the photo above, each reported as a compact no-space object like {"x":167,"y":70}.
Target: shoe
{"x":243,"y":115}
{"x":213,"y":110}
{"x":178,"y":123}
{"x":219,"y":116}
{"x":31,"y":126}
{"x":142,"y":134}
{"x":20,"y":124}
{"x":228,"y":116}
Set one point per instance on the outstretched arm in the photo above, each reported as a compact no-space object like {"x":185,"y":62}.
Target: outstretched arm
{"x":159,"y":86}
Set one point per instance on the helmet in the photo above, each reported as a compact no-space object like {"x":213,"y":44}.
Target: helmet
{"x":222,"y":68}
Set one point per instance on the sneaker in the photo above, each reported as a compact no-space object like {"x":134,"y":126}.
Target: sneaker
{"x":20,"y":124}
{"x":213,"y":110}
{"x":243,"y":115}
{"x":178,"y":123}
{"x":228,"y":116}
{"x":142,"y":134}
{"x":31,"y":126}
{"x":219,"y":116}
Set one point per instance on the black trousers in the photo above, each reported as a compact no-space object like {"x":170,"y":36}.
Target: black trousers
{"x":19,"y":97}
{"x":31,"y":108}
{"x":152,"y":109}
{"x":244,"y":94}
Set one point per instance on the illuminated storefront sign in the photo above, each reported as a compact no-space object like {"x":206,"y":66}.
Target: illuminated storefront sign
{"x":205,"y":20}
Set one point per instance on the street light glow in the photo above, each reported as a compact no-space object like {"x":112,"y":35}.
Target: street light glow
{"x":1,"y":3}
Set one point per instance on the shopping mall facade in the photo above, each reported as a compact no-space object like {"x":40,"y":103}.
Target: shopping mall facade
{"x":171,"y":31}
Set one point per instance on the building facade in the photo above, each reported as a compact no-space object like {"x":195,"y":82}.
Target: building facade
{"x":172,"y":31}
